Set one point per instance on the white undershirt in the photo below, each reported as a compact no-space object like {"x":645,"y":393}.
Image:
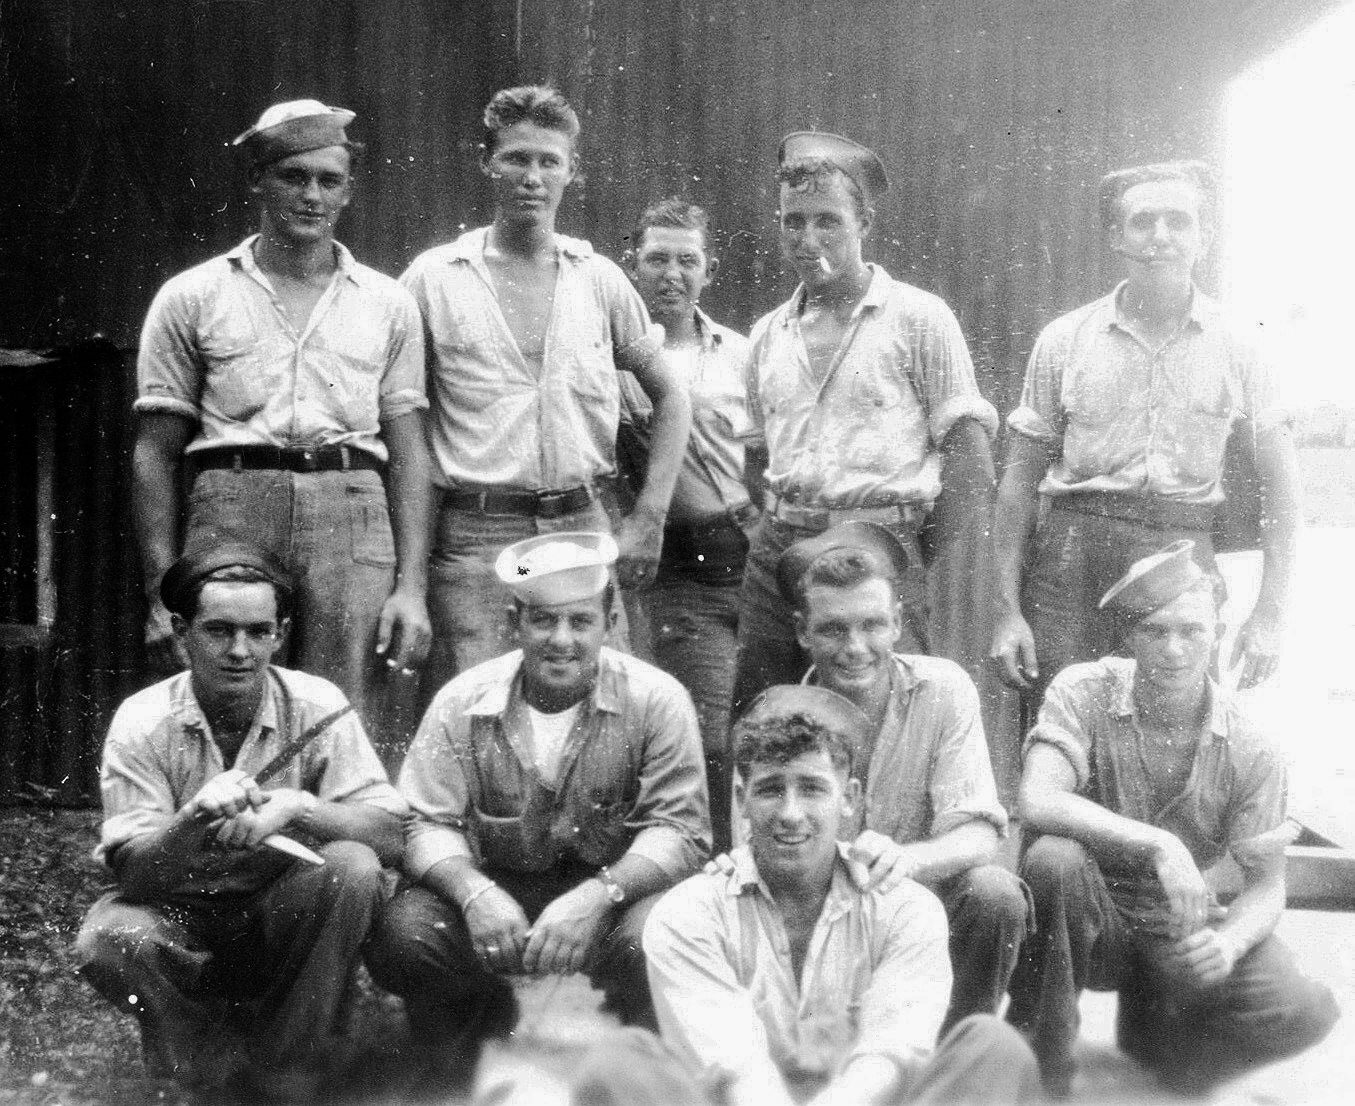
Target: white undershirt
{"x":549,"y":732}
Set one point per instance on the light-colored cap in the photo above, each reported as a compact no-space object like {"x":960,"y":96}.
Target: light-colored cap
{"x":293,"y":128}
{"x":859,"y":162}
{"x":557,"y":568}
{"x":1154,"y":581}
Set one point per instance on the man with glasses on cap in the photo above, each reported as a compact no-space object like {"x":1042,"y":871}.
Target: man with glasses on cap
{"x":1140,"y":774}
{"x":1128,"y":406}
{"x":931,"y":811}
{"x":557,"y":790}
{"x":246,"y":818}
{"x":527,"y":332}
{"x":863,"y":391}
{"x":288,"y":380}
{"x":788,"y":975}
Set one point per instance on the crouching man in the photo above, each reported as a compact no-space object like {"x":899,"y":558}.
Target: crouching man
{"x":1141,"y":773}
{"x":235,"y":953}
{"x":782,"y":980}
{"x":557,"y":790}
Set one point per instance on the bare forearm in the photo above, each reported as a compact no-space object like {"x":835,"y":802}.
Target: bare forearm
{"x":155,"y":511}
{"x":672,"y":423}
{"x":455,"y":879}
{"x":368,"y":825}
{"x":1014,"y":516}
{"x":966,"y":846}
{"x":1107,"y":835}
{"x":1277,"y":470}
{"x":409,"y":490}
{"x":1254,"y":914}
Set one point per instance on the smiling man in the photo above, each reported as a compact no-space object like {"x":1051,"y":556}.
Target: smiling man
{"x":783,"y":977}
{"x":234,"y":956}
{"x":692,"y":610}
{"x":288,"y":379}
{"x":862,"y":389}
{"x":527,"y":331}
{"x":1127,"y":408}
{"x":931,"y":811}
{"x":557,"y":790}
{"x":1141,"y":774}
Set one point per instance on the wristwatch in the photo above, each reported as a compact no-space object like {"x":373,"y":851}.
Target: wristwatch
{"x":615,"y":891}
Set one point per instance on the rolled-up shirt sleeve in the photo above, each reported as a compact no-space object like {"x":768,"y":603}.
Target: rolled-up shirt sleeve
{"x":403,"y":388}
{"x":946,"y":372}
{"x":1060,"y":727}
{"x":635,"y":337}
{"x":169,"y":366}
{"x":672,"y":812}
{"x":433,"y":782}
{"x":136,"y":793}
{"x":962,"y":785}
{"x":905,"y":1002}
{"x":1040,"y":413}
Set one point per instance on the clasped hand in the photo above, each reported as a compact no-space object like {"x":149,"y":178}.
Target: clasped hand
{"x":557,"y":943}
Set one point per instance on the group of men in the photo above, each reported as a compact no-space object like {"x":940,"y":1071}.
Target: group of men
{"x":380,"y":472}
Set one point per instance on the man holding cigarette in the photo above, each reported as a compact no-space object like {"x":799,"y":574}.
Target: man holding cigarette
{"x":863,"y":391}
{"x":234,"y":946}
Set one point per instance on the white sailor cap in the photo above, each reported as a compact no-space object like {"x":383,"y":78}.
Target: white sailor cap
{"x":557,"y":568}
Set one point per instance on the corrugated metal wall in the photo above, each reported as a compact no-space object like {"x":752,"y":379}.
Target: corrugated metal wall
{"x":996,"y":119}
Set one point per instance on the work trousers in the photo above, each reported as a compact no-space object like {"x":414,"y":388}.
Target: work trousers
{"x":332,"y":531}
{"x":467,"y":604}
{"x":1074,"y":560}
{"x":241,"y":983}
{"x":421,"y":950}
{"x":1191,"y":1037}
{"x":989,"y":914}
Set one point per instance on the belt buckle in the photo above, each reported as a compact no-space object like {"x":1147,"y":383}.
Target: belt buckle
{"x":307,"y":461}
{"x":550,"y":504}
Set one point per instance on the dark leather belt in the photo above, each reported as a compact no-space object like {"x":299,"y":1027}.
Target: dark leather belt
{"x":1151,"y":511}
{"x":551,"y":504}
{"x":325,"y":458}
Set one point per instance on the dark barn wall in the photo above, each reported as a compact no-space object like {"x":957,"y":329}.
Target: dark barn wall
{"x":996,"y":119}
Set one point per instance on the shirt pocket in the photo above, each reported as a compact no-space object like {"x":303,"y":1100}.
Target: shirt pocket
{"x":604,"y":832}
{"x":239,"y":376}
{"x":503,"y":843}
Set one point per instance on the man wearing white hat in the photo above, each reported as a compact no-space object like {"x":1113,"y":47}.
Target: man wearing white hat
{"x":557,"y":790}
{"x":1141,"y":773}
{"x":288,"y":380}
{"x":862,"y":389}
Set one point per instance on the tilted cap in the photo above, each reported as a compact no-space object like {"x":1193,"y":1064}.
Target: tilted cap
{"x":293,"y":128}
{"x":1154,"y":581}
{"x":183,"y":575}
{"x":829,"y":709}
{"x":869,"y":537}
{"x":557,"y":568}
{"x":859,"y":162}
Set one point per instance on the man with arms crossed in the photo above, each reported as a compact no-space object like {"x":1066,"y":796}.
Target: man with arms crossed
{"x":1140,"y":774}
{"x":931,"y":811}
{"x":692,"y":609}
{"x":1127,"y":407}
{"x":863,"y":390}
{"x":289,"y":379}
{"x":781,"y":979}
{"x":526,"y":331}
{"x":557,"y":791}
{"x":236,"y":957}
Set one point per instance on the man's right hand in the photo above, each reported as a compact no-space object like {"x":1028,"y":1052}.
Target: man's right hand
{"x":498,"y":929}
{"x":1184,"y":886}
{"x":164,"y":652}
{"x":1013,"y":651}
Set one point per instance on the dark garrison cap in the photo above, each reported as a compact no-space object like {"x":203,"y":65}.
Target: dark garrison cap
{"x":868,"y":537}
{"x":291,"y":128}
{"x":177,"y":584}
{"x":1154,"y":581}
{"x":859,"y":162}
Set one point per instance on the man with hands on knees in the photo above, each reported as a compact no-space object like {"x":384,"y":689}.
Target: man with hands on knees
{"x":232,"y":944}
{"x":557,"y":790}
{"x":930,"y":810}
{"x":1140,"y":774}
{"x":782,"y":977}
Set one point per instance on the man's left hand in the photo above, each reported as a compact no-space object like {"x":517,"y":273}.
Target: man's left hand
{"x":563,"y":935}
{"x":639,"y":544}
{"x":879,"y":863}
{"x":1204,"y":959}
{"x":1258,"y":647}
{"x":403,"y":633}
{"x":279,"y":809}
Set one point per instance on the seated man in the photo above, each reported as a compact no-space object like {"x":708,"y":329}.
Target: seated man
{"x":1142,"y":773}
{"x":783,"y":978}
{"x":556,"y":790}
{"x":931,"y":808}
{"x":234,"y":954}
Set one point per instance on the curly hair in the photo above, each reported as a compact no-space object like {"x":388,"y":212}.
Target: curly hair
{"x":529,"y":103}
{"x":779,"y":739}
{"x":843,"y":567}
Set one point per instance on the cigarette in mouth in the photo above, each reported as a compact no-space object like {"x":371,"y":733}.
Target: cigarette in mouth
{"x":824,"y":267}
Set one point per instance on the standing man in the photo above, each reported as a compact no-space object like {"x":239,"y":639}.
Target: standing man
{"x":782,"y":979}
{"x":1127,"y":407}
{"x":864,"y":392}
{"x":288,"y":379}
{"x":526,"y":332}
{"x":692,"y":609}
{"x":557,"y":791}
{"x":931,"y":811}
{"x":1141,"y":774}
{"x":235,"y":957}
